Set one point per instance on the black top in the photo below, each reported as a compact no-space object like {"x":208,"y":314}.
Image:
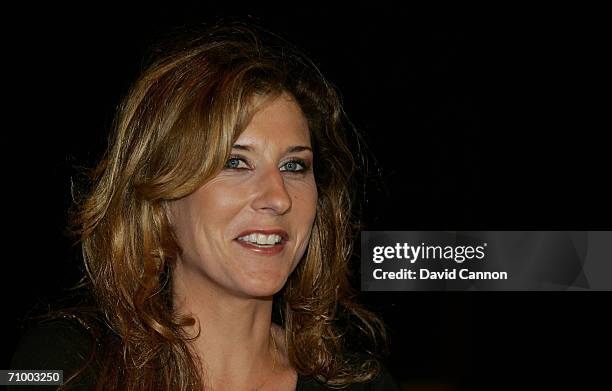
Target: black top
{"x":64,"y":344}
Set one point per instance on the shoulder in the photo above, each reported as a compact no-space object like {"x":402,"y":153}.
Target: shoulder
{"x":384,"y":381}
{"x":59,"y":344}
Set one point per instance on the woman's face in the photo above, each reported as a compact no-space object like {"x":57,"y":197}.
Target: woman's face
{"x":266,"y":192}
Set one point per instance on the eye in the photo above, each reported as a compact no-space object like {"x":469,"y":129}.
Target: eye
{"x":235,"y":163}
{"x":295,"y":165}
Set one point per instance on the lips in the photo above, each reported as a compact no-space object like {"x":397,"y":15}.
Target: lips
{"x":274,"y":231}
{"x":267,"y":249}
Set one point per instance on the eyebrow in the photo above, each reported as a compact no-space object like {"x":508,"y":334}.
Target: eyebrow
{"x":295,"y":148}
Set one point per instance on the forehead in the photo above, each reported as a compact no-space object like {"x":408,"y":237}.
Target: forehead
{"x":278,"y":120}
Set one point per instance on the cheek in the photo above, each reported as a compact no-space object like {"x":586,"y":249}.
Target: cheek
{"x":305,"y":203}
{"x":215,"y":203}
{"x":206,"y":211}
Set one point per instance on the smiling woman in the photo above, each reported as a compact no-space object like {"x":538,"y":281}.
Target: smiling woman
{"x":253,"y":220}
{"x":224,"y":194}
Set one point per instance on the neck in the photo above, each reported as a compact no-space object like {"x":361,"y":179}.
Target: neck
{"x":234,"y":346}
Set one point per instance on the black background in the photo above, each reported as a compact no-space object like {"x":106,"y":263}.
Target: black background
{"x":483,"y":119}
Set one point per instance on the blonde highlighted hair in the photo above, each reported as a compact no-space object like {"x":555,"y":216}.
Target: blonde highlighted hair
{"x":173,"y":132}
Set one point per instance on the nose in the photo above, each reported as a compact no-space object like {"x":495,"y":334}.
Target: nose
{"x":272,"y":194}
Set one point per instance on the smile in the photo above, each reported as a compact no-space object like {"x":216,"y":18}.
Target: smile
{"x":262,"y":242}
{"x":263,"y":249}
{"x":261,"y":239}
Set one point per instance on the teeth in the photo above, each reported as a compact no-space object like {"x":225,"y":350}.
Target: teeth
{"x":261,"y":239}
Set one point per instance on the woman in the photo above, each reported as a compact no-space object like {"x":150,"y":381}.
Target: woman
{"x":223,"y":197}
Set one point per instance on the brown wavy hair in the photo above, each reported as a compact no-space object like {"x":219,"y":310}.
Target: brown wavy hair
{"x":174,"y":131}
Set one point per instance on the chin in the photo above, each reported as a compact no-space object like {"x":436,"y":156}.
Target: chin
{"x":262,"y":287}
